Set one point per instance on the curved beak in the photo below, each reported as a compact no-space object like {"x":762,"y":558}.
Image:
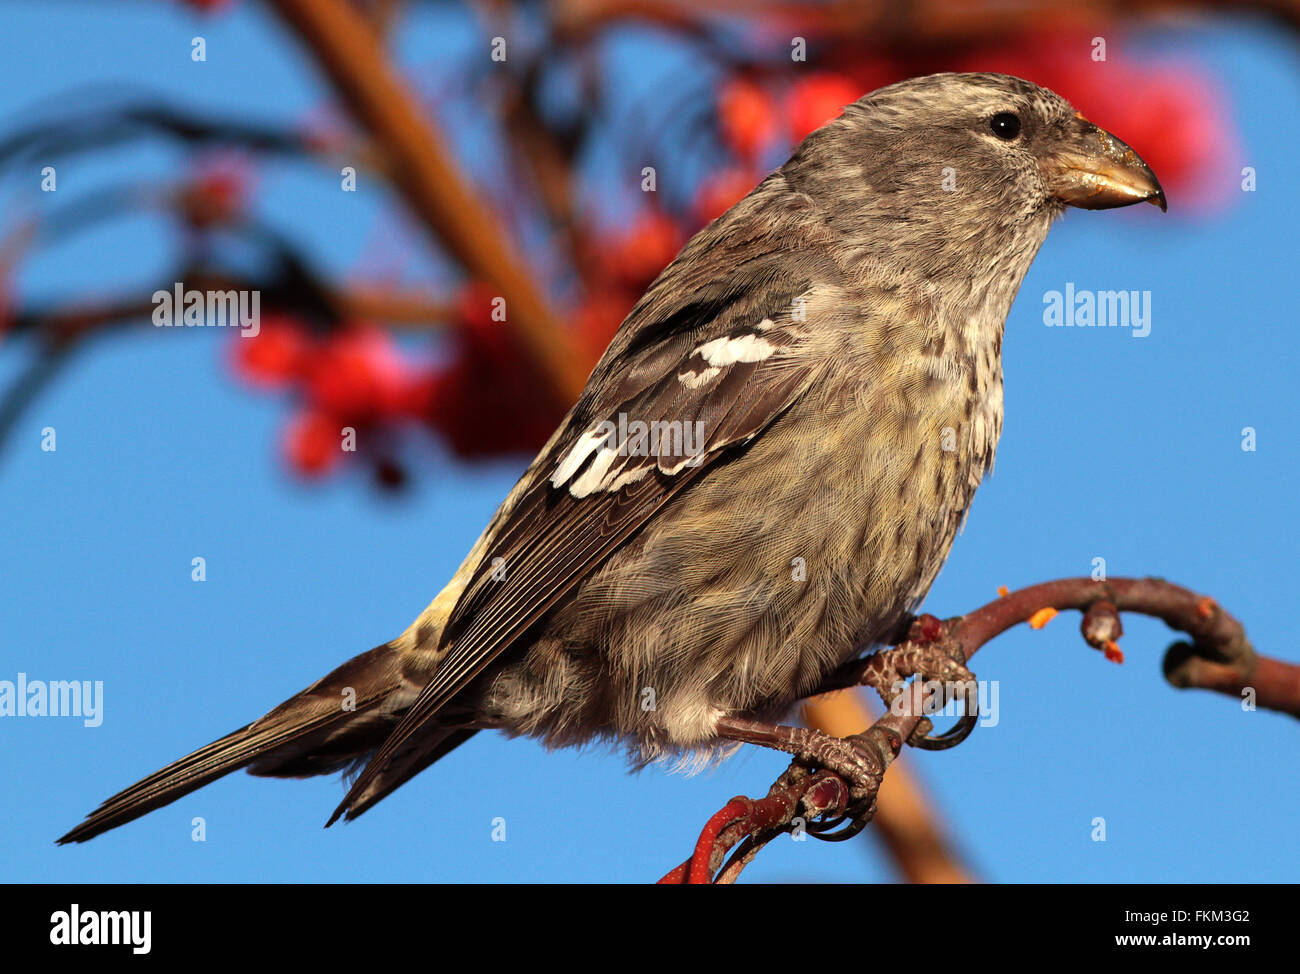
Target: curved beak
{"x":1096,"y":171}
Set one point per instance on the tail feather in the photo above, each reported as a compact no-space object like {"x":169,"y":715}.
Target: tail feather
{"x":405,"y":766}
{"x":310,"y":733}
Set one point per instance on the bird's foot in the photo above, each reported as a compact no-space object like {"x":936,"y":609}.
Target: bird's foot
{"x":932,"y":654}
{"x":860,"y":760}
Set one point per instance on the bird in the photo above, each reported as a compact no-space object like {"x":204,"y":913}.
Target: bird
{"x":760,"y":480}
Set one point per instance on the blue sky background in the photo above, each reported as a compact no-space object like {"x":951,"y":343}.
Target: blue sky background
{"x":1115,"y":447}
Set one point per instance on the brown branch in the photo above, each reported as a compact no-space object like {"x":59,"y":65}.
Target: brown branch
{"x":402,"y":309}
{"x":414,"y":310}
{"x":424,"y":171}
{"x":1219,"y":657}
{"x":1276,"y":685}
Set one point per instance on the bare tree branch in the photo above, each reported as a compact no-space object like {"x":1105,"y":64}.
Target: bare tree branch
{"x":1219,"y":657}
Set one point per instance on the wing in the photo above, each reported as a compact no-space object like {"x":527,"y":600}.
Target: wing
{"x":678,"y":391}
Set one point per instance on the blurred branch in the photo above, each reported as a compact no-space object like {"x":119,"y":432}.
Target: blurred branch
{"x":109,"y":127}
{"x":425,"y":173}
{"x":62,"y":329}
{"x":886,"y":23}
{"x":60,"y":325}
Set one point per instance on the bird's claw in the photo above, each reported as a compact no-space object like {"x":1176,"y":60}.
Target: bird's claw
{"x":857,"y":822}
{"x":923,"y":739}
{"x":932,"y":655}
{"x":860,"y":761}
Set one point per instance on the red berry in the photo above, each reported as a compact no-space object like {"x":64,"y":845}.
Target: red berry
{"x":276,"y":354}
{"x":746,"y":115}
{"x":644,"y":250}
{"x":314,"y":443}
{"x":356,"y":374}
{"x":816,"y":100}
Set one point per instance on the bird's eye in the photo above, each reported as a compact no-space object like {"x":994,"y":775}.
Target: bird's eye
{"x":1005,"y":125}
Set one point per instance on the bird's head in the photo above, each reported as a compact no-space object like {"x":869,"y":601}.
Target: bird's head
{"x":953,"y":164}
{"x":999,"y":136}
{"x":1016,"y":133}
